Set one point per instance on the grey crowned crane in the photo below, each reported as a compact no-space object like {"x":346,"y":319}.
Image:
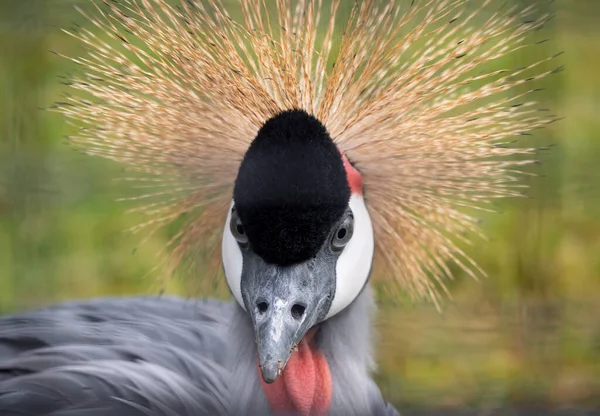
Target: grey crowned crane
{"x":309,"y":181}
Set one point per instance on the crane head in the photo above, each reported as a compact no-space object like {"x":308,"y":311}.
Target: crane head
{"x":298,"y":241}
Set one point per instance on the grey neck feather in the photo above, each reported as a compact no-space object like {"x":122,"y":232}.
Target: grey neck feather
{"x":347,"y":342}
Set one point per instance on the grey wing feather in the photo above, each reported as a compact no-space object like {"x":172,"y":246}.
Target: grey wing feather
{"x":389,"y":410}
{"x":131,"y":356}
{"x":380,"y":407}
{"x":107,"y":385}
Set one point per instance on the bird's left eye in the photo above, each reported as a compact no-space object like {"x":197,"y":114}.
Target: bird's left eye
{"x":343,"y":234}
{"x":237,"y":229}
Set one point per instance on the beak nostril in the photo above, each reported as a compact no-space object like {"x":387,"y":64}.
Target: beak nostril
{"x":262,"y":307}
{"x":298,"y":311}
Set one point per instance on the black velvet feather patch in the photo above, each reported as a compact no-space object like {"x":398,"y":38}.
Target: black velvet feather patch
{"x":291,"y":188}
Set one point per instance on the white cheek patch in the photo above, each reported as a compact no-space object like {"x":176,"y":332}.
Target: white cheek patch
{"x":354,"y":264}
{"x":232,"y":261}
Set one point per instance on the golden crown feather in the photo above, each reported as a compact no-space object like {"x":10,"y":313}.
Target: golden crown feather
{"x":411,"y":93}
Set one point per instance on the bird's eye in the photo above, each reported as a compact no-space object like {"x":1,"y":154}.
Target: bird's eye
{"x":343,"y":234}
{"x":237,"y":229}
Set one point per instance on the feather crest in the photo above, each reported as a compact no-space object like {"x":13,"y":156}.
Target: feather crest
{"x":410,"y":99}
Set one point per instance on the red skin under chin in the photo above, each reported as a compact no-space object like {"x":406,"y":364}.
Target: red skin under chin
{"x":305,"y":386}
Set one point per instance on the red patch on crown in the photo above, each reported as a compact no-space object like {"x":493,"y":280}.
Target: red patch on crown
{"x":354,"y":177}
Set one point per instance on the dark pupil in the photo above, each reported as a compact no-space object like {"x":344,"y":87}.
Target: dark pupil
{"x":240,"y":229}
{"x":341,"y":233}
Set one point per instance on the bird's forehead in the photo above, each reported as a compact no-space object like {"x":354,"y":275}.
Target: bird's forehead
{"x":292,"y":188}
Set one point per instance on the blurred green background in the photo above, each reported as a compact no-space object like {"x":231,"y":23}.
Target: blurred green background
{"x":528,"y":336}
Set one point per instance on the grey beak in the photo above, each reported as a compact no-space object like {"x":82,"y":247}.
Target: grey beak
{"x":285,"y":303}
{"x":278,"y":330}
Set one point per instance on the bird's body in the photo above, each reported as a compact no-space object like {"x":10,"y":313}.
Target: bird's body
{"x":161,"y":354}
{"x":315,"y":181}
{"x":164,"y":356}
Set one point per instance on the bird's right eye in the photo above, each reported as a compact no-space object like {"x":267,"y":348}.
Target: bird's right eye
{"x":237,"y":229}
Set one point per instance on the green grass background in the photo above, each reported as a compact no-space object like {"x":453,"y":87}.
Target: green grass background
{"x":529,"y":334}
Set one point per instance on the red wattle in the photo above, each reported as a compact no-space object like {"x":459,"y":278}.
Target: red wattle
{"x":304,"y":387}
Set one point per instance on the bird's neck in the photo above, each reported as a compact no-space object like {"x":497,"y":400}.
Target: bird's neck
{"x":330,"y":373}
